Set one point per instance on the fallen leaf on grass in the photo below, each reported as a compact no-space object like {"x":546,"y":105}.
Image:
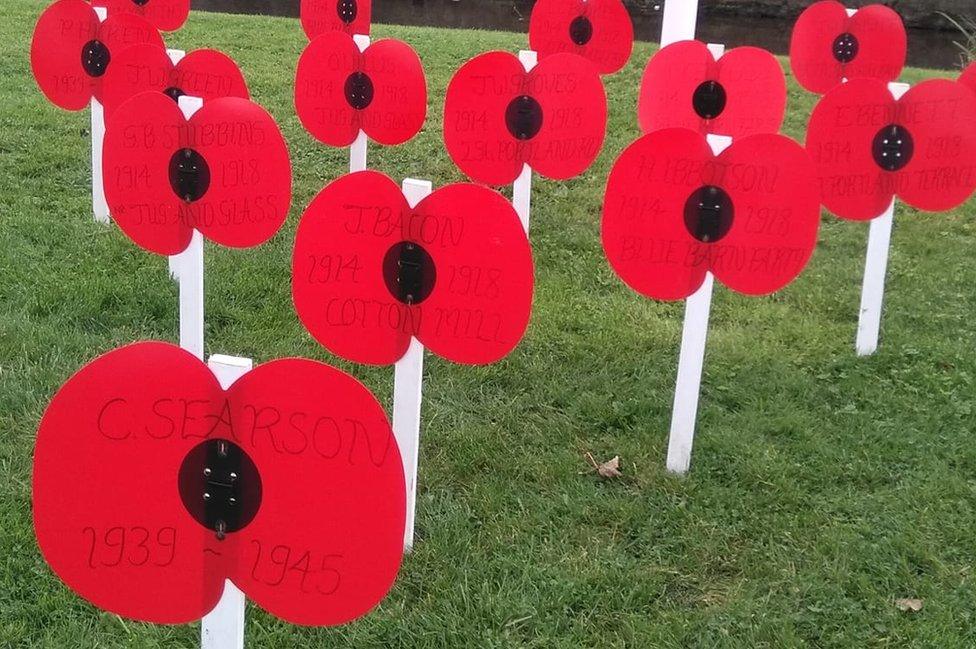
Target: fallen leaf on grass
{"x":606,"y":470}
{"x":909,"y":605}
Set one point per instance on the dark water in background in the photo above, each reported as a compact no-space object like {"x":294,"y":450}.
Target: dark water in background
{"x":926,"y":48}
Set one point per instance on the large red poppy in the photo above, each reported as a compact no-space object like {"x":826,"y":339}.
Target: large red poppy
{"x":71,"y":50}
{"x":225,"y":172}
{"x":742,"y":93}
{"x":369,"y":272}
{"x":340,"y":90}
{"x":165,"y":15}
{"x":673,"y":211}
{"x":599,"y":30}
{"x":968,"y":77}
{"x":829,"y":46}
{"x":868,"y":147}
{"x":321,"y":16}
{"x":152,"y":485}
{"x":498,"y":117}
{"x":207,"y":74}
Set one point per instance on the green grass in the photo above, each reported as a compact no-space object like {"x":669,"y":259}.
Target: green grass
{"x":823,"y":486}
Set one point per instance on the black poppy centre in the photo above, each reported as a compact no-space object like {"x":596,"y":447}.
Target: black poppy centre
{"x":709,"y":99}
{"x":581,"y":30}
{"x":845,"y":47}
{"x":189,"y":175}
{"x":523,"y":117}
{"x":359,"y":90}
{"x":409,"y":272}
{"x":347,"y":10}
{"x":140,"y":3}
{"x":220,"y":486}
{"x":174,"y":93}
{"x":709,"y":213}
{"x":892,"y":147}
{"x":95,"y":58}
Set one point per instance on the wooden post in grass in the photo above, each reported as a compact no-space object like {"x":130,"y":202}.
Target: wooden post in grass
{"x":875,"y":267}
{"x":522,"y":187}
{"x":99,"y":204}
{"x":357,"y":151}
{"x":190,"y":271}
{"x":679,"y":21}
{"x":408,"y":381}
{"x":691,"y":359}
{"x":223,"y":627}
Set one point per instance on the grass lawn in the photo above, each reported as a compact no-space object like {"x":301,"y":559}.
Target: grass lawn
{"x":822,"y":488}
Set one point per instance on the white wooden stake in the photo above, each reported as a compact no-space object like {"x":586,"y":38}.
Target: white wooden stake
{"x":678,"y":22}
{"x":99,"y":204}
{"x":408,"y":381}
{"x":522,"y":188}
{"x":223,"y":627}
{"x":190,"y":265}
{"x":875,"y":267}
{"x":175,"y":56}
{"x":691,"y":359}
{"x":357,"y":152}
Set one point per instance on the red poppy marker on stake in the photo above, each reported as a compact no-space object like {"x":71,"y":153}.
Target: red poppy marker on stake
{"x":522,"y":187}
{"x":164,"y":15}
{"x":681,"y":209}
{"x":349,"y":16}
{"x":598,"y":30}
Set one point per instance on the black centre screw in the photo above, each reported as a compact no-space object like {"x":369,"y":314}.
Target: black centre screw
{"x":709,"y":99}
{"x":189,"y":175}
{"x":220,"y":486}
{"x":359,"y":90}
{"x":893,"y":147}
{"x":409,"y":272}
{"x":845,"y":47}
{"x":709,"y":213}
{"x":581,"y":30}
{"x":523,"y":117}
{"x":347,"y":10}
{"x":95,"y":58}
{"x":174,"y":93}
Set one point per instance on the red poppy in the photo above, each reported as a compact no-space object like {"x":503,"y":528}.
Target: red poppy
{"x":498,"y":117}
{"x":207,"y":74}
{"x":968,"y":77}
{"x":165,"y":15}
{"x":598,"y":30}
{"x":673,"y":211}
{"x":225,"y":172}
{"x":369,"y":272}
{"x":869,"y":148}
{"x":340,"y":90}
{"x":742,"y":93}
{"x":152,"y":485}
{"x":71,"y":50}
{"x":828,"y":46}
{"x":349,"y":16}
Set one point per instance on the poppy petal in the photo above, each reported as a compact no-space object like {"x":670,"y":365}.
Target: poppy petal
{"x":842,"y":128}
{"x":210,"y":74}
{"x":143,"y":67}
{"x":164,"y":15}
{"x":324,"y":68}
{"x":643,"y":230}
{"x":812,"y":42}
{"x":141,"y":137}
{"x":120,"y":31}
{"x":338,"y":281}
{"x":326,"y":543}
{"x":773,"y":189}
{"x":481,"y":300}
{"x":667,"y":88}
{"x":882,"y":44}
{"x":399,"y":105}
{"x":108,"y":514}
{"x":61,"y":33}
{"x":940,"y":116}
{"x":574,"y":116}
{"x":475,"y":132}
{"x":598,"y":30}
{"x":968,"y":77}
{"x":321,"y":16}
{"x":756,"y":90}
{"x":250,"y":173}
